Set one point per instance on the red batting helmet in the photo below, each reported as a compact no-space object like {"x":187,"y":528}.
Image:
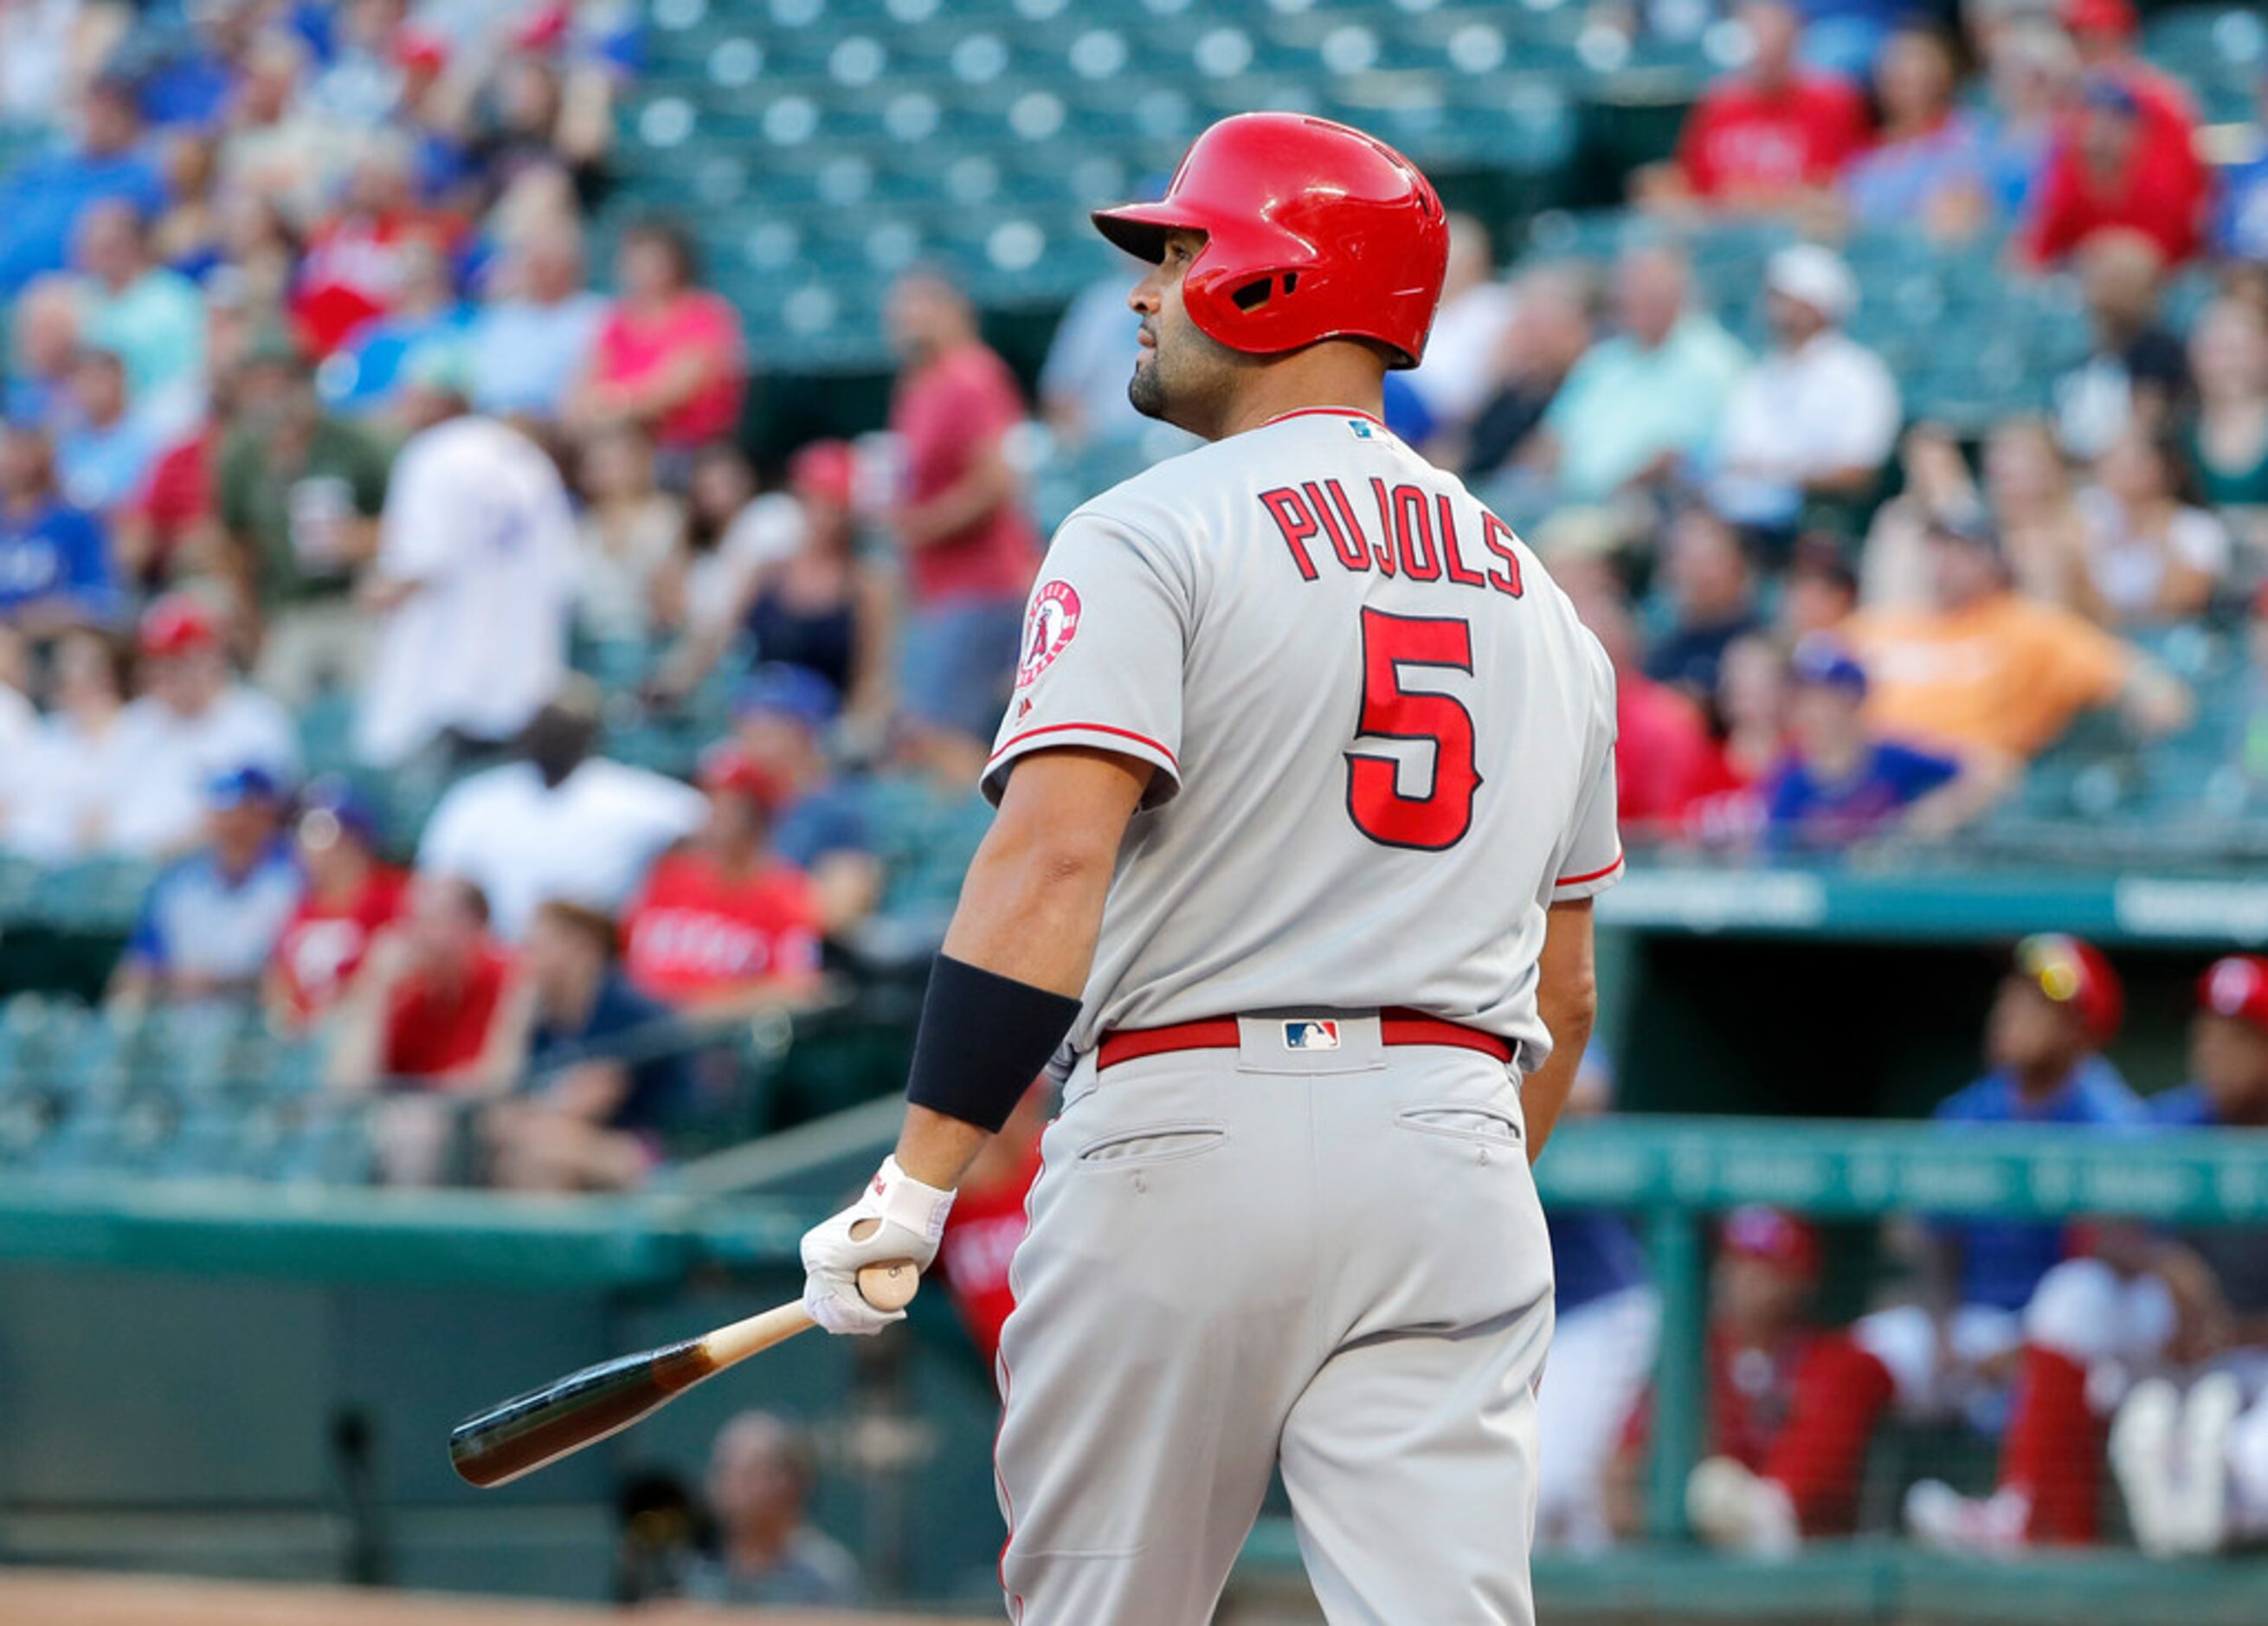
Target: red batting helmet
{"x":1312,"y":231}
{"x":2236,"y":987}
{"x":2074,"y":973}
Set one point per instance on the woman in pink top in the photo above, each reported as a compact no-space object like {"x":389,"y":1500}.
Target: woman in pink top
{"x":668,"y":357}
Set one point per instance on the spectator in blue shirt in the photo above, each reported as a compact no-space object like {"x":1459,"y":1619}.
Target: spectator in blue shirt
{"x":610,"y":1076}
{"x":784,"y":714}
{"x":2241,"y":223}
{"x":40,"y":204}
{"x":211,"y":921}
{"x":530,"y":341}
{"x":2228,"y":1052}
{"x":1838,"y":785}
{"x":1713,"y":592}
{"x":370,"y":370}
{"x":104,"y":447}
{"x":54,"y":559}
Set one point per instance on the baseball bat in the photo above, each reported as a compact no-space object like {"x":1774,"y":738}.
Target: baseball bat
{"x":534,"y":1429}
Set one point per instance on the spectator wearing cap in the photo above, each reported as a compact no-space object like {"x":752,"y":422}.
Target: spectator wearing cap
{"x":301,"y":490}
{"x":970,"y":546}
{"x":351,"y":895}
{"x":55,"y":557}
{"x":212,"y":919}
{"x":2155,"y":554}
{"x":610,"y":1076}
{"x":669,"y":355}
{"x":559,"y":822}
{"x":2135,"y":369}
{"x":2103,"y":33}
{"x":783,"y":715}
{"x":66,"y":785}
{"x":2127,"y":161}
{"x":1991,"y":1291}
{"x":1818,"y":416}
{"x":1982,"y":669}
{"x":150,"y":317}
{"x":41,"y":200}
{"x":723,"y":922}
{"x":1712,"y":596}
{"x":532,"y":338}
{"x":1928,"y":169}
{"x":821,"y":609}
{"x":193,"y":720}
{"x":1771,"y":136}
{"x":1838,"y":784}
{"x":2228,"y":1052}
{"x":1645,"y":404}
{"x":106,"y":446}
{"x":43,"y":341}
{"x":472,"y":588}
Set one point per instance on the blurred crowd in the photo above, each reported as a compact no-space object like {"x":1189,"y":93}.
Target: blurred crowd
{"x":317,"y":408}
{"x":2085,"y":1354}
{"x":312,"y":409}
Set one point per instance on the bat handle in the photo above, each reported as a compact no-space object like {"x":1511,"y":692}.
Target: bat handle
{"x":887,"y":1286}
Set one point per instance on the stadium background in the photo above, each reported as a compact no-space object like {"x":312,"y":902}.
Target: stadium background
{"x":225,"y":1351}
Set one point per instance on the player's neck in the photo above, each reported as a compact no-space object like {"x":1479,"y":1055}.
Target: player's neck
{"x":1334,"y":373}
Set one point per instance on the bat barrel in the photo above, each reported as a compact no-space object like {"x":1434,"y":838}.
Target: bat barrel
{"x":498,"y":1445}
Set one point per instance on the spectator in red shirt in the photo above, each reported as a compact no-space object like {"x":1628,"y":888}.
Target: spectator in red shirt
{"x":970,"y":548}
{"x":668,"y":356}
{"x":353,"y":268}
{"x":2102,"y":31}
{"x":723,"y":923}
{"x":351,"y":896}
{"x":1663,"y":759}
{"x":435,"y":1012}
{"x":1771,"y":135}
{"x":2125,"y":160}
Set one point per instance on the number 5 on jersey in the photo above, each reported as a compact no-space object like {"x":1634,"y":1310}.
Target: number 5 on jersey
{"x":1437,"y":819}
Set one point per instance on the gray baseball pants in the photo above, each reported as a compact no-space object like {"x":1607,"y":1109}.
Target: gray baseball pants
{"x":1333,"y":1260}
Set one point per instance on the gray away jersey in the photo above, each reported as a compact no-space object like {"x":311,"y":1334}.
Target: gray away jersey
{"x":1383,"y":743}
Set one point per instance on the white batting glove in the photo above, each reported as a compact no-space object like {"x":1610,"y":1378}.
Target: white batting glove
{"x":910,"y":1219}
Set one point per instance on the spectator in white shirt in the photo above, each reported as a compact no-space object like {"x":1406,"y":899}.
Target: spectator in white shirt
{"x":560,"y":823}
{"x":475,"y":579}
{"x":2153,"y":554}
{"x":193,"y":721}
{"x":731,"y":533}
{"x":1459,"y":372}
{"x":1818,"y":415}
{"x":69,"y":777}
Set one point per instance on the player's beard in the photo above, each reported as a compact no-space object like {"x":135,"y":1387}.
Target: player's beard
{"x":1146,"y":389}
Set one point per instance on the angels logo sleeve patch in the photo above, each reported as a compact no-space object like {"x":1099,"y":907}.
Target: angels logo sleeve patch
{"x":1105,"y":633}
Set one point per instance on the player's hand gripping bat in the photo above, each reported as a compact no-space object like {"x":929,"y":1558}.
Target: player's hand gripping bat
{"x":532,"y":1431}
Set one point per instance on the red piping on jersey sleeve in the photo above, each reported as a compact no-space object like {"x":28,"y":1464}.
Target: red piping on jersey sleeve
{"x":1326,"y":413}
{"x":1014,"y":740}
{"x":1596,"y":874}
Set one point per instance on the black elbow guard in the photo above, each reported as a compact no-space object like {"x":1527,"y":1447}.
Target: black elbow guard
{"x":983,"y":1038}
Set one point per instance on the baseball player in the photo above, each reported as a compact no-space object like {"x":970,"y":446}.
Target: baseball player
{"x":1304,"y":791}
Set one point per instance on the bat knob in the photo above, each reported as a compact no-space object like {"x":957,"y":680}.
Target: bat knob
{"x":889,"y":1286}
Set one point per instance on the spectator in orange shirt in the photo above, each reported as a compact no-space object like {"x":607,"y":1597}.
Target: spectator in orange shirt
{"x":1983,"y":670}
{"x":1771,"y":138}
{"x":724,"y":923}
